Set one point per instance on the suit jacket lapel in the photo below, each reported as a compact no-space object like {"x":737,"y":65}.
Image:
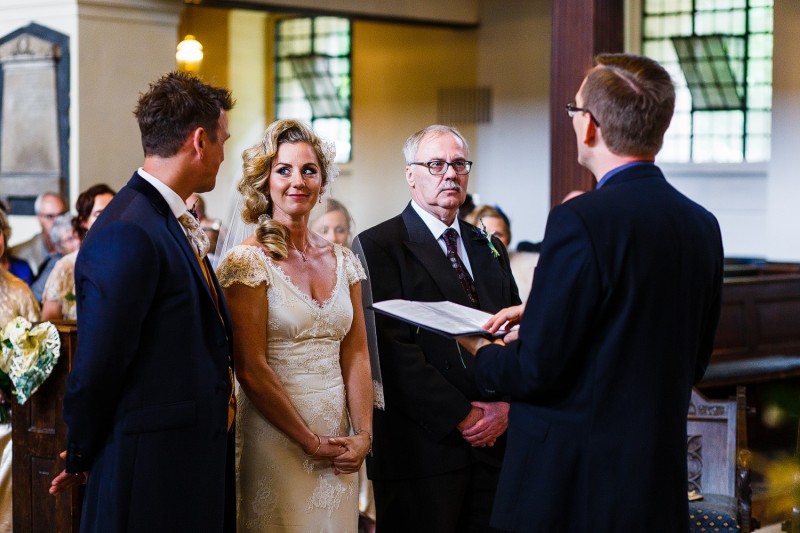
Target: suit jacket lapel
{"x":490,"y":282}
{"x":426,"y":249}
{"x":176,"y":231}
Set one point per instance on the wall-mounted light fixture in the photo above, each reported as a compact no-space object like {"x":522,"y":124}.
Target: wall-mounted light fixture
{"x":189,"y":54}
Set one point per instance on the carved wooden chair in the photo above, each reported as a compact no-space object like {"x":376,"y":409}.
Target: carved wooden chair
{"x":718,"y":464}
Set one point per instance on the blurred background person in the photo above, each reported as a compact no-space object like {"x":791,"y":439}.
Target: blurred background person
{"x":523,"y":262}
{"x":58,"y":299}
{"x":16,"y":300}
{"x":65,"y":241}
{"x":48,"y":206}
{"x":335,"y":223}
{"x":210,"y":226}
{"x":9,"y":262}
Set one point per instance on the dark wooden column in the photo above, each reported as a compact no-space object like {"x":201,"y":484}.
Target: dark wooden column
{"x":39,"y":435}
{"x":581,"y":30}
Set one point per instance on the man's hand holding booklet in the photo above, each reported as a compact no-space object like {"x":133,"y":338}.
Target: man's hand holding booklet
{"x":446,"y":318}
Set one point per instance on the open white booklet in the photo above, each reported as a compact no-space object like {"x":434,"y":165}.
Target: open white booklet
{"x":447,"y":318}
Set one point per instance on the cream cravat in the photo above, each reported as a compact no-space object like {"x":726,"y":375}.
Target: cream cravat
{"x":197,"y":237}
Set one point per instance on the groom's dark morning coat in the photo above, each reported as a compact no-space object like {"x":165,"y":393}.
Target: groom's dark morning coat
{"x":146,"y":401}
{"x":428,"y":383}
{"x":619,"y":324}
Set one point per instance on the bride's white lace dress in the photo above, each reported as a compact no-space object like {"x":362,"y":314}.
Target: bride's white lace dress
{"x":280,"y":488}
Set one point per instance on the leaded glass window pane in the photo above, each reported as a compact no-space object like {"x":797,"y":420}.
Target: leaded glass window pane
{"x":729,"y":60}
{"x":312,"y":77}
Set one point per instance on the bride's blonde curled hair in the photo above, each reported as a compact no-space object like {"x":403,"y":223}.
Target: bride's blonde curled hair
{"x":256,"y":168}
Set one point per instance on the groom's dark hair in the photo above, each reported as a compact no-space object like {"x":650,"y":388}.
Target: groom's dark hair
{"x":174,"y":106}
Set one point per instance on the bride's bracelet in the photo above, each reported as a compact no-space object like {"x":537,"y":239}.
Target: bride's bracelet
{"x":319,"y":445}
{"x":360,"y":431}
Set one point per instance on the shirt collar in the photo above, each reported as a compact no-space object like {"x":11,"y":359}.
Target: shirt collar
{"x":619,"y":169}
{"x":436,"y":226}
{"x":175,"y":203}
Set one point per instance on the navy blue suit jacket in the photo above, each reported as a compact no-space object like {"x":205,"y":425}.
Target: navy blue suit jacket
{"x":428,"y":383}
{"x":619,"y":325}
{"x":146,"y":401}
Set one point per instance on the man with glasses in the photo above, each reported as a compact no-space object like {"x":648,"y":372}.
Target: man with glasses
{"x":619,"y":325}
{"x":439,"y":442}
{"x":48,"y":206}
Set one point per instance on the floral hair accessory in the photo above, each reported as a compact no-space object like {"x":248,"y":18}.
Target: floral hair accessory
{"x":28,"y":354}
{"x":482,"y":235}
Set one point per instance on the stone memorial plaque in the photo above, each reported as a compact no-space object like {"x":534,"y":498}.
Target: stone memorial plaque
{"x":29,"y":128}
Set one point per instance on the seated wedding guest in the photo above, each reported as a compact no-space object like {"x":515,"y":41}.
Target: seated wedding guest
{"x":58,"y":299}
{"x":335,"y":223}
{"x":210,"y":226}
{"x":15,"y":265}
{"x":16,"y":300}
{"x":65,"y":241}
{"x":496,"y":223}
{"x":48,"y":206}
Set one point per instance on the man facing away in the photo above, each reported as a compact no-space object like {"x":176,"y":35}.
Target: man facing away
{"x":619,"y":326}
{"x":437,"y":445}
{"x":148,"y":400}
{"x":48,"y":206}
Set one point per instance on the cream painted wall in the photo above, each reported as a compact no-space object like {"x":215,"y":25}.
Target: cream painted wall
{"x":783,"y":188}
{"x":249,"y":46}
{"x":397,"y":70}
{"x":451,"y":11}
{"x":108,"y":83}
{"x":514,"y":149}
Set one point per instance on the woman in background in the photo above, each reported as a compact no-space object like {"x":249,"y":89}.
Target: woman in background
{"x":58,"y":299}
{"x":335,"y":223}
{"x":16,"y":299}
{"x":496,"y":223}
{"x":15,"y":265}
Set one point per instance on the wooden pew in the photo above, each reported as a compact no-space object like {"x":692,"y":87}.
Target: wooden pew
{"x":39,"y":435}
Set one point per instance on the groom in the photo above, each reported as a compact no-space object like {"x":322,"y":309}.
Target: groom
{"x":149,"y":400}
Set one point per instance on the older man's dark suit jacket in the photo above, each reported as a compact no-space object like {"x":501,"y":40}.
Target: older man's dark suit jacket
{"x":428,"y":382}
{"x":146,"y":401}
{"x":619,"y":325}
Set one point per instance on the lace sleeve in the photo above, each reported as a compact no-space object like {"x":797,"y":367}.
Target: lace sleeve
{"x":243,"y":264}
{"x":352,"y":267}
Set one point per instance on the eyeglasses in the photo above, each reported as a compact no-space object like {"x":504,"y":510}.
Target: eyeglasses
{"x":572,"y":109}
{"x":50,"y":216}
{"x":438,"y":167}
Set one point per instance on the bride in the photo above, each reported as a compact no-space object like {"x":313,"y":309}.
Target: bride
{"x":304,"y":422}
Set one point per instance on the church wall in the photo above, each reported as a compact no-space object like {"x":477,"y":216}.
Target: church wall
{"x":783,"y":188}
{"x":514,"y":149}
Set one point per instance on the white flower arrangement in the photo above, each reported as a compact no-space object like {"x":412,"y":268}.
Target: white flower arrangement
{"x":28,"y":354}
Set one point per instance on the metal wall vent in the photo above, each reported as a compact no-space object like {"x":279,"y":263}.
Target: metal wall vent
{"x":465,"y":105}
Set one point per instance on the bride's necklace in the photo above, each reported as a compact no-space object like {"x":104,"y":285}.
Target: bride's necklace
{"x":301,"y":252}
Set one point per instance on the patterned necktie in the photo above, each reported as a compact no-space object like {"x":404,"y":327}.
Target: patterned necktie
{"x":197,"y":237}
{"x":199,"y":241}
{"x":450,"y":240}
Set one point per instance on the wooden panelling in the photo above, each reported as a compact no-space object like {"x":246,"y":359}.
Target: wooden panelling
{"x":39,"y":435}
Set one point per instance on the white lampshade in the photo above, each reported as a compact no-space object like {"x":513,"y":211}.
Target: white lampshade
{"x":189,"y":51}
